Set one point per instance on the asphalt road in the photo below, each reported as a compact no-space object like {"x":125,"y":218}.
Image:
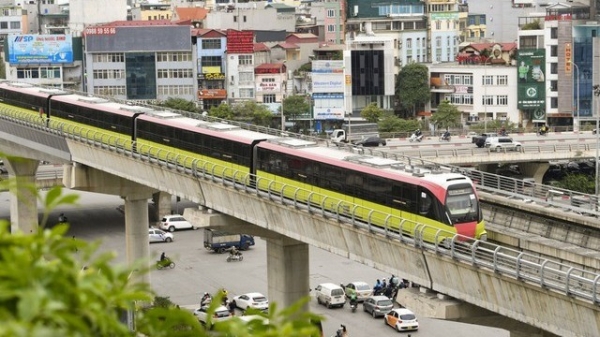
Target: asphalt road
{"x":97,"y":218}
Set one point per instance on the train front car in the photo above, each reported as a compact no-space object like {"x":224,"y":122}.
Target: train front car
{"x":461,"y":204}
{"x":380,"y":191}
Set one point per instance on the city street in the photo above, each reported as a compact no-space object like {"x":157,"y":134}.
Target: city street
{"x":197,"y":270}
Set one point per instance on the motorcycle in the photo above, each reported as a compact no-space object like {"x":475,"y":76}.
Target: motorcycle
{"x":166,"y":263}
{"x":415,"y":138}
{"x":542,"y":133}
{"x":445,"y":137}
{"x":62,"y":219}
{"x":353,"y":307}
{"x":235,"y":257}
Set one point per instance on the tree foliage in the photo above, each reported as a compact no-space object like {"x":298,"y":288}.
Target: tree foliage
{"x":494,"y":125}
{"x":257,"y":113}
{"x":578,"y":182}
{"x":446,"y":116}
{"x":412,"y":86}
{"x":392,"y":124}
{"x":371,"y":113}
{"x":180,"y":104}
{"x":295,"y":106}
{"x":223,"y":111}
{"x":52,"y":285}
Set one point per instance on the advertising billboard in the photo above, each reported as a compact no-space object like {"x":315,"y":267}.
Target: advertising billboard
{"x":328,"y":82}
{"x":24,"y":49}
{"x":240,"y":42}
{"x":328,"y":113}
{"x":531,"y":89}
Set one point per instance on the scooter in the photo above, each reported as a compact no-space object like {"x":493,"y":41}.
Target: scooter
{"x":542,"y":133}
{"x":353,"y":307}
{"x":235,"y":257}
{"x":415,"y":138}
{"x":445,"y":137}
{"x":166,"y":263}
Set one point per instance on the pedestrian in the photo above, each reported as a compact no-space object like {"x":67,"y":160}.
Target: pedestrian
{"x":231,"y":307}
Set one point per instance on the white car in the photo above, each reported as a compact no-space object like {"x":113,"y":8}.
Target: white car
{"x":401,"y":319}
{"x":362,"y":290}
{"x":158,"y":235}
{"x":220,"y":314}
{"x":175,"y":221}
{"x":251,"y":300}
{"x":499,"y":143}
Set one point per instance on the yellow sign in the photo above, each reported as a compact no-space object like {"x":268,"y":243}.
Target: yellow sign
{"x":568,"y":58}
{"x":348,"y":80}
{"x":211,"y":70}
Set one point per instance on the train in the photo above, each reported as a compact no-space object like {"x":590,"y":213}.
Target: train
{"x":445,"y":201}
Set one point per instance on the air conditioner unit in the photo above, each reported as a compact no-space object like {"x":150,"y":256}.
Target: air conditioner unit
{"x":397,"y":61}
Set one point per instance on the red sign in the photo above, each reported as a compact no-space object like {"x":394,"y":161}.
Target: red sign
{"x":267,"y":70}
{"x":212,"y":94}
{"x":239,"y":42}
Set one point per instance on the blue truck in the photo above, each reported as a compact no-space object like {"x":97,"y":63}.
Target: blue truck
{"x":220,"y":242}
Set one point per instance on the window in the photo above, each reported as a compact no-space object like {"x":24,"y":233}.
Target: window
{"x":211,"y":61}
{"x":269,"y":98}
{"x":438,"y":24}
{"x":246,"y":77}
{"x":487,"y":79}
{"x":502,"y":80}
{"x":268,"y":79}
{"x":244,"y":17}
{"x":554,"y":85}
{"x":553,"y":102}
{"x":246,"y":93}
{"x":554,"y":33}
{"x":331,"y":28}
{"x":101,"y":74}
{"x":3,"y":25}
{"x":554,"y":68}
{"x":211,"y":43}
{"x":28,"y":73}
{"x":553,"y":50}
{"x":408,"y":43}
{"x":331,"y":13}
{"x":15,"y":25}
{"x":502,"y":100}
{"x":109,"y":90}
{"x":50,"y":72}
{"x":245,"y":59}
{"x":175,"y":90}
{"x":487,"y":100}
{"x":438,"y":42}
{"x":109,"y":58}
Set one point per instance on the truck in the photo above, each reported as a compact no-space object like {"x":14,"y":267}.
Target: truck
{"x":350,"y":133}
{"x":219,"y":242}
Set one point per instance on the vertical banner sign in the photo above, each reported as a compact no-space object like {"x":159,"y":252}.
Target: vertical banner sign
{"x":568,"y":58}
{"x":531,"y":74}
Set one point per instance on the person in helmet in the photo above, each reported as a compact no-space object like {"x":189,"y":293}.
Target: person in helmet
{"x":418,"y":132}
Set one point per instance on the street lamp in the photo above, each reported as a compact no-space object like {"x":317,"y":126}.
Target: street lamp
{"x":282,"y":115}
{"x":576,"y":123}
{"x":596,"y":93}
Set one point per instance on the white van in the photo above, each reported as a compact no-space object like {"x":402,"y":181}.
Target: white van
{"x":330,"y":295}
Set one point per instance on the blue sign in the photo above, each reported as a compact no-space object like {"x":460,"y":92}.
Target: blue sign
{"x":40,"y":48}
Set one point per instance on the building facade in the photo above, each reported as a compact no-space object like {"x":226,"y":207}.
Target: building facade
{"x":211,"y":72}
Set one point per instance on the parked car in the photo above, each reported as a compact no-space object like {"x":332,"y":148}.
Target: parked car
{"x":158,"y":235}
{"x":499,"y":143}
{"x":371,"y":142}
{"x":221,"y":314}
{"x":251,"y":300}
{"x":362,"y":290}
{"x":377,"y":305}
{"x":402,"y":319}
{"x":173,"y":222}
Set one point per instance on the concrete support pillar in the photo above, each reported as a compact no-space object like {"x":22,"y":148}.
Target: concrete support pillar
{"x":136,"y":231}
{"x":536,"y":170}
{"x":23,"y":201}
{"x":163,"y":204}
{"x":287,"y":271}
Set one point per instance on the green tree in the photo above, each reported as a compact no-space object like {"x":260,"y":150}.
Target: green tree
{"x":52,"y":285}
{"x":577,"y":182}
{"x":180,"y":104}
{"x":446,"y":116}
{"x":412,"y":86}
{"x":393,"y":124}
{"x":251,"y":111}
{"x":371,"y":113}
{"x":295,"y":106}
{"x":223,"y":111}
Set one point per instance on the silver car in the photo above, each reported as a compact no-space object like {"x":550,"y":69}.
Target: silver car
{"x":378,"y":306}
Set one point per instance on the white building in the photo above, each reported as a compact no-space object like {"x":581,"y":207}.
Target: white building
{"x":481,"y":92}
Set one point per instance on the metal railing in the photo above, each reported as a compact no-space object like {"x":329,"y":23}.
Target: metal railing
{"x":508,"y":262}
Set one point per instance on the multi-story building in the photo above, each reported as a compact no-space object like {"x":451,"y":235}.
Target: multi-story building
{"x":482,"y":92}
{"x":240,"y":66}
{"x":151,"y":11}
{"x":124,"y":61}
{"x":271,"y":80}
{"x":251,"y":16}
{"x":211,"y":73}
{"x":556,"y":64}
{"x":13,"y":20}
{"x":444,"y":30}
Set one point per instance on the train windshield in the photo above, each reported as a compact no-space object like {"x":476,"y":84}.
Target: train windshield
{"x":462,"y":205}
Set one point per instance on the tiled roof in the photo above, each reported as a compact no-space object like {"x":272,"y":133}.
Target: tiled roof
{"x":287,"y":45}
{"x":261,"y":47}
{"x":191,"y":13}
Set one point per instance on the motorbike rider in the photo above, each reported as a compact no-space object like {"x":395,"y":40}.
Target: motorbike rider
{"x":377,"y":287}
{"x":446,"y":135}
{"x":342,"y":331}
{"x":206,"y":299}
{"x":233,"y":252}
{"x":543,"y":129}
{"x":353,"y":300}
{"x":163,"y":257}
{"x":62,"y":218}
{"x":418,"y":133}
